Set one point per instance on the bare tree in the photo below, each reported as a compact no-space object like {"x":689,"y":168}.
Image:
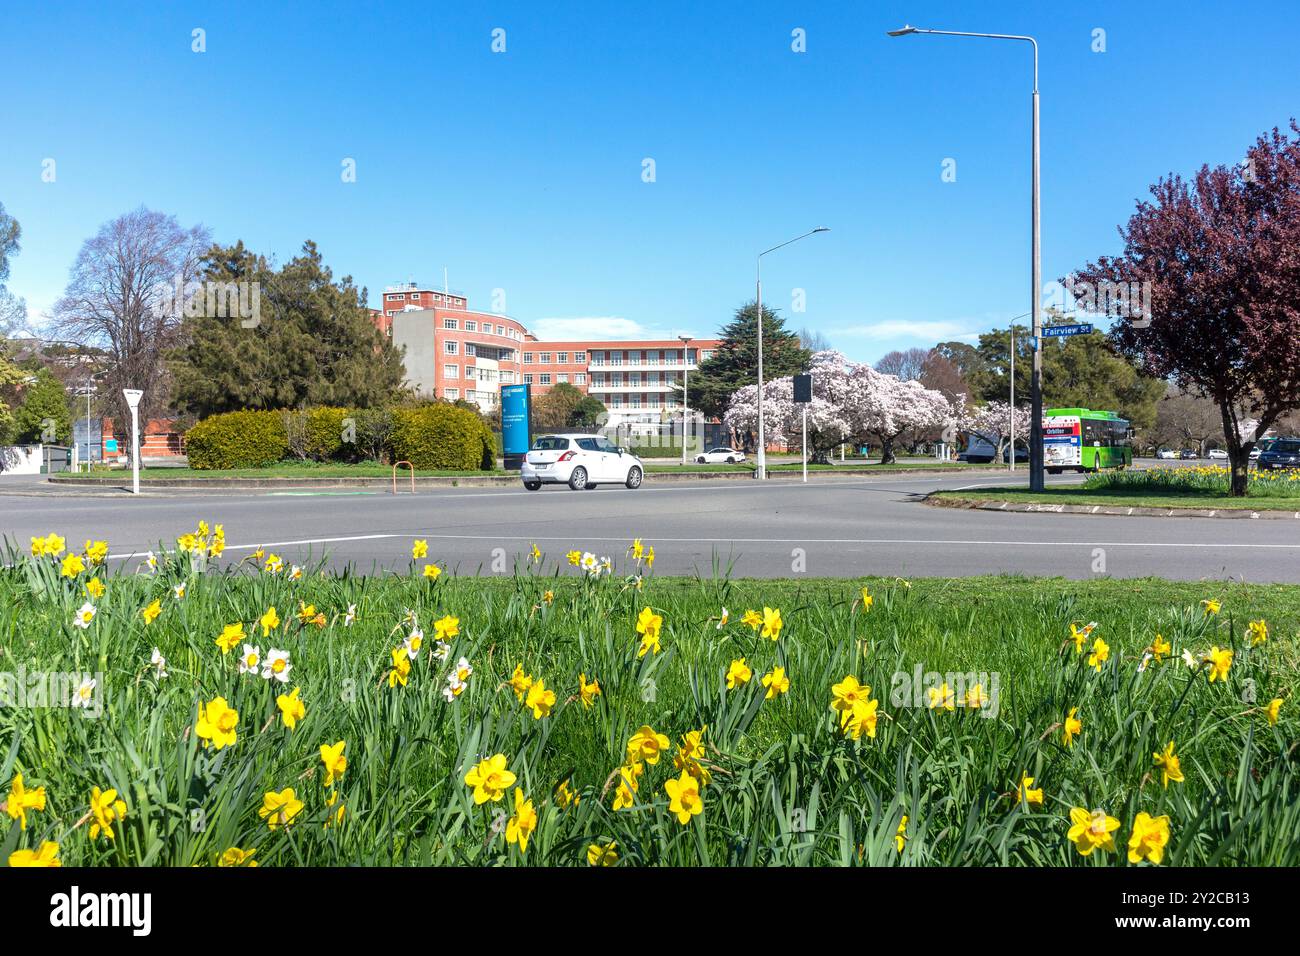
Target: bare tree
{"x":813,"y":340}
{"x":907,"y":365}
{"x":122,"y":298}
{"x":1186,"y":419}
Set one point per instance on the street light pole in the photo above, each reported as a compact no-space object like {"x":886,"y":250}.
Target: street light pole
{"x":1036,"y":379}
{"x":686,"y":362}
{"x":761,"y":470}
{"x":1012,"y":407}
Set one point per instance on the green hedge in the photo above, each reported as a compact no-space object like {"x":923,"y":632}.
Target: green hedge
{"x":442,"y":436}
{"x":252,"y":439}
{"x":325,"y":433}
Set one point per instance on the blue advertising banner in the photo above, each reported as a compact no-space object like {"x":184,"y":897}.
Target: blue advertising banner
{"x":516,"y":424}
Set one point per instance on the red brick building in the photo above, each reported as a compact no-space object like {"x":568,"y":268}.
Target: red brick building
{"x":454,"y":352}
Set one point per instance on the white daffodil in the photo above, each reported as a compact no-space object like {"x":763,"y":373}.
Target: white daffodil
{"x":159,"y":662}
{"x":151,"y":562}
{"x":726,"y":615}
{"x":350,"y":618}
{"x":409,"y":617}
{"x":1146,"y":659}
{"x":453,"y":689}
{"x":85,"y":693}
{"x":273,"y":565}
{"x":414,"y":641}
{"x":277,"y":665}
{"x":463,"y":669}
{"x":1190,"y":660}
{"x":85,"y":614}
{"x":441,"y":651}
{"x":178,"y":592}
{"x":295,"y":573}
{"x":589,"y":563}
{"x":250,"y":659}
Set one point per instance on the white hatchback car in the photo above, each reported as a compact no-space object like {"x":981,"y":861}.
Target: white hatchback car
{"x":720,"y":456}
{"x":579,"y":461}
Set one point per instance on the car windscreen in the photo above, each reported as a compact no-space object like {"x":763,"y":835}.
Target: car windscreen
{"x":1285,"y":447}
{"x":550,"y":443}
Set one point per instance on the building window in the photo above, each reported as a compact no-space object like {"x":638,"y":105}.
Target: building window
{"x":545,"y":358}
{"x":451,"y":393}
{"x":546,"y":378}
{"x":528,"y":378}
{"x":580,"y":358}
{"x":451,"y":371}
{"x":449,"y":347}
{"x":396,"y":297}
{"x":562,"y":379}
{"x":562,"y":358}
{"x":580,"y":378}
{"x":501,"y":330}
{"x":528,"y":358}
{"x":471,"y":348}
{"x":449,"y":324}
{"x":471,"y":325}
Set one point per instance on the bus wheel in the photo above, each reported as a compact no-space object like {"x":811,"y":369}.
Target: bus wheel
{"x":1053,"y":471}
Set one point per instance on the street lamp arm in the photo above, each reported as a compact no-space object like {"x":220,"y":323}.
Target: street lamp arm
{"x":986,"y":36}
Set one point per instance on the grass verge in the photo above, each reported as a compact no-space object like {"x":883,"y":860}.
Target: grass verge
{"x":1122,"y":498}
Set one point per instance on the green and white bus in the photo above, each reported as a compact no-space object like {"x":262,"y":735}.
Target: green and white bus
{"x":1085,"y":440}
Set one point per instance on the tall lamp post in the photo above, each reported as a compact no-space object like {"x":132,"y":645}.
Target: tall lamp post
{"x":761,"y":471}
{"x":1036,"y":380}
{"x":686,"y":362}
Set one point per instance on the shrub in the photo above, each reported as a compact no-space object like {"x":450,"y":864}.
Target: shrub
{"x":442,"y":436}
{"x":324,"y":440}
{"x":252,"y":439}
{"x":374,"y":433}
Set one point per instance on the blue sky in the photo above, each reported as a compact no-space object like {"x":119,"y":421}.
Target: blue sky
{"x":522,"y":170}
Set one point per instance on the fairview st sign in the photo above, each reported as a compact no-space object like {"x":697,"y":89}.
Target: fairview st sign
{"x":1053,"y":331}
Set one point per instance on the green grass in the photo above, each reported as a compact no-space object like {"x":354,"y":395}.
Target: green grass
{"x":286,"y":469}
{"x":1123,"y":498}
{"x":786,"y":785}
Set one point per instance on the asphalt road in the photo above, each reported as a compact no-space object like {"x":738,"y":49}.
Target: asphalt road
{"x":842,"y":527}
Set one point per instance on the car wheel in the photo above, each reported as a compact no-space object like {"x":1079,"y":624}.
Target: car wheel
{"x":634,"y":477}
{"x":731,"y":461}
{"x":578,"y":478}
{"x":532,"y":485}
{"x":700,"y":460}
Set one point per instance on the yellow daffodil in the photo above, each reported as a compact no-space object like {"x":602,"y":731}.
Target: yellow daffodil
{"x":72,"y":565}
{"x":419,"y":549}
{"x":401,"y":670}
{"x":237,"y":857}
{"x":269,"y":621}
{"x":20,"y":800}
{"x":900,"y":837}
{"x":867,"y":600}
{"x":1159,"y":649}
{"x":684,"y":797}
{"x":646,"y":745}
{"x":431,"y":571}
{"x":46,"y":856}
{"x":738,"y":673}
{"x":942,"y":697}
{"x":588,"y":692}
{"x":445,"y":628}
{"x":106,"y":809}
{"x":539,"y":700}
{"x":331,"y":756}
{"x":95,"y":588}
{"x":1092,"y":831}
{"x":650,"y":557}
{"x":548,"y":598}
{"x":1257,"y":631}
{"x":1271,"y":710}
{"x":845,"y":694}
{"x":521,"y":826}
{"x":292,"y":709}
{"x":1073,"y":727}
{"x":1100,"y":654}
{"x":1220,"y":663}
{"x":489,"y":779}
{"x":217,"y":724}
{"x":151,"y":612}
{"x":753,"y":619}
{"x":976,"y":698}
{"x":96,"y":551}
{"x":279,"y":809}
{"x":574,"y":557}
{"x":772,"y":623}
{"x":1211,"y":606}
{"x":1026,"y":793}
{"x":1148,"y":839}
{"x":566,"y":797}
{"x":862,"y":719}
{"x":520,"y":682}
{"x":232,"y":635}
{"x":602,"y":855}
{"x":1079,"y":636}
{"x":648,"y":625}
{"x":776,"y":682}
{"x":1170,"y":769}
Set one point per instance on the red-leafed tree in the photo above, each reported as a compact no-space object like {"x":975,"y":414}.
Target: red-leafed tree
{"x":1222,"y":256}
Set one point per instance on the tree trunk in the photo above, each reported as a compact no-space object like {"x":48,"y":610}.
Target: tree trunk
{"x":1239,"y":461}
{"x":887,"y":451}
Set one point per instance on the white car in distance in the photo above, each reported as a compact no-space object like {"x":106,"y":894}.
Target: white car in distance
{"x":579,"y":461}
{"x":1218,"y":453}
{"x":720,"y":456}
